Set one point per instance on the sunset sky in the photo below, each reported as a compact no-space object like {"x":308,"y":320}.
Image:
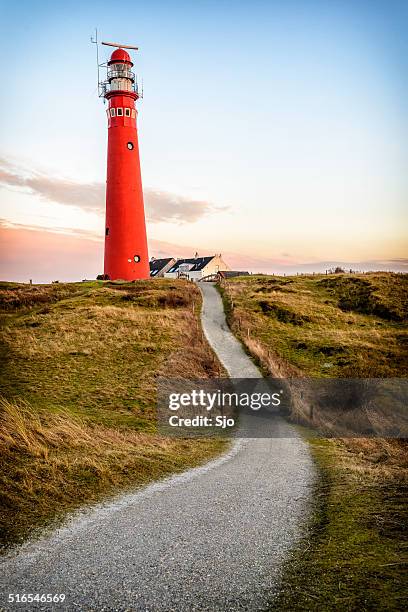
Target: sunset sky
{"x":273,"y":132}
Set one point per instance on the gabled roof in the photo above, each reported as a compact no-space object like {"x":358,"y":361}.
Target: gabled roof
{"x":158,"y":264}
{"x":198,"y":263}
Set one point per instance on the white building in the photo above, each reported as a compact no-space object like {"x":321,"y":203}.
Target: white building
{"x":197,"y":268}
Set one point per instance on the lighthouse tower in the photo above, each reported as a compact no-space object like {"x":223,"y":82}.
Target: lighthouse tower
{"x":126,"y":255}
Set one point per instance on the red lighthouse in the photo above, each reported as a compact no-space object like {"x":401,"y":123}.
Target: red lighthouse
{"x":126,"y":255}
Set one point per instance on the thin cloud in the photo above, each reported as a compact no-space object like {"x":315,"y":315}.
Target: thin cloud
{"x":88,"y":196}
{"x":161,"y":206}
{"x":66,"y":231}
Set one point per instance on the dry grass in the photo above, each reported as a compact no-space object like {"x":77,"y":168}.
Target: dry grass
{"x":324,"y":326}
{"x":336,"y":326}
{"x":79,"y":366}
{"x":333,"y":326}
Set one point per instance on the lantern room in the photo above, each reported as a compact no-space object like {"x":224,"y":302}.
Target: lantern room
{"x":120,"y":76}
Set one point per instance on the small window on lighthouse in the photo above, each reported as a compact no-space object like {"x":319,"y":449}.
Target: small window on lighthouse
{"x":136,"y":258}
{"x":133,"y":113}
{"x":130,"y":145}
{"x":119,"y":112}
{"x":127,"y":112}
{"x":112,"y":112}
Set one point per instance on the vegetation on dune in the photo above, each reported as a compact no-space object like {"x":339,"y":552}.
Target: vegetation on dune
{"x":334,"y":326}
{"x":342,"y":325}
{"x":78,"y":369}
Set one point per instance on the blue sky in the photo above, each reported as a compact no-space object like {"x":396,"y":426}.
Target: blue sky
{"x":276,"y":130}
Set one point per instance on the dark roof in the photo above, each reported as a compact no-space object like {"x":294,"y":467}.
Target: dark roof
{"x":158,"y":264}
{"x":199,"y":263}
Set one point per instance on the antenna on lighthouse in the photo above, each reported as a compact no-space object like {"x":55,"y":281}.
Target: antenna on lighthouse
{"x":111,"y":44}
{"x":94,"y":40}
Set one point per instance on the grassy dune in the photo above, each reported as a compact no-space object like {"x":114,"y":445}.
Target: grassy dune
{"x":335,"y":326}
{"x":338,"y":326}
{"x":78,"y":370}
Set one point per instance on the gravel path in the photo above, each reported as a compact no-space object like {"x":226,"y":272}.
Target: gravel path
{"x":229,"y":350}
{"x":212,"y":538}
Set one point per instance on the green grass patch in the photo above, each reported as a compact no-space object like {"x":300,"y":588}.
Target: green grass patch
{"x":354,"y":557}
